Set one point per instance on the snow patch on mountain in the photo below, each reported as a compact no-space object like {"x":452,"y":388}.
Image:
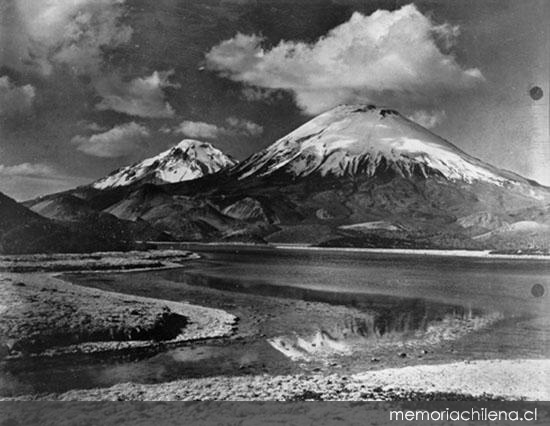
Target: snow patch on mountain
{"x":190,"y":159}
{"x":371,"y":226}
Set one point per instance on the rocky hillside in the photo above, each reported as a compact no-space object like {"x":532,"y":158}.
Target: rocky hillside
{"x":357,"y":175}
{"x":25,"y":231}
{"x":188,"y":160}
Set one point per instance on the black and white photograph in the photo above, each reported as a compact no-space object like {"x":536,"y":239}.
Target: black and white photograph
{"x":274,"y":200}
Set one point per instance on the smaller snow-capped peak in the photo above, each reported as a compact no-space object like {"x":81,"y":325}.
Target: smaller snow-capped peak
{"x":190,"y":159}
{"x":361,"y":139}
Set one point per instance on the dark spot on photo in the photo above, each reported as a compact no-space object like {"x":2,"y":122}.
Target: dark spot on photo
{"x":537,"y":290}
{"x":536,"y":93}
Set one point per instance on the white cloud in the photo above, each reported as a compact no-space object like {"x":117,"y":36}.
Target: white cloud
{"x":29,"y":180}
{"x":15,"y":99}
{"x":238,"y":126}
{"x":386,"y":57}
{"x":119,"y":141}
{"x":73,"y":32}
{"x":234,"y":127}
{"x":198,"y":129}
{"x":36,"y":170}
{"x":92,"y":126}
{"x":428,"y":119}
{"x":87,"y":33}
{"x":165,"y":129}
{"x":141,"y":97}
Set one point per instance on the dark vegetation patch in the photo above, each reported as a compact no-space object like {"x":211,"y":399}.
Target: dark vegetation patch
{"x":165,"y":326}
{"x":38,"y":317}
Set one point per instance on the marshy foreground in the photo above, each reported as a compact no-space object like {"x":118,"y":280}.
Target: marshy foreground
{"x":161,"y":335}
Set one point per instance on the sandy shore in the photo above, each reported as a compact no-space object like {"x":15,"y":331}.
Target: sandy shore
{"x":99,"y":261}
{"x":41,"y":315}
{"x":484,"y":254}
{"x":477,"y":380}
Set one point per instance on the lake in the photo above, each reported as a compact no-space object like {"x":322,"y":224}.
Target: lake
{"x":365,"y":297}
{"x":484,"y":283}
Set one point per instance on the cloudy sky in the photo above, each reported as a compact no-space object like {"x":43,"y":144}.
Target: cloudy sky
{"x":87,"y":86}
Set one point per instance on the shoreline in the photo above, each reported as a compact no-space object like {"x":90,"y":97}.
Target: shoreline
{"x":474,"y":380}
{"x":478,"y":254}
{"x":97,"y":262}
{"x":104,"y":312}
{"x":475,"y":254}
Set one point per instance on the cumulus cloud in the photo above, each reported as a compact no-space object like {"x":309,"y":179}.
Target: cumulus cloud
{"x":238,"y":126}
{"x":36,"y":170}
{"x":29,"y":180}
{"x":74,"y":32}
{"x":119,"y":141}
{"x":15,"y":99}
{"x":233,"y":127}
{"x":386,"y":57}
{"x":428,"y":119}
{"x":91,"y":125}
{"x":198,"y":129}
{"x":90,"y":30}
{"x":141,"y":97}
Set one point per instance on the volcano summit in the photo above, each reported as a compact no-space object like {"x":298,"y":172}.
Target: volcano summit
{"x":356,"y":175}
{"x":353,"y":140}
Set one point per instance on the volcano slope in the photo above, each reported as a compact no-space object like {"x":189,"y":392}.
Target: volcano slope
{"x":364,"y":176}
{"x":357,"y":175}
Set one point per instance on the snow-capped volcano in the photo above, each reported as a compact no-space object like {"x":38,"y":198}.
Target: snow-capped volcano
{"x":189,"y":159}
{"x":362,"y":140}
{"x":355,"y":176}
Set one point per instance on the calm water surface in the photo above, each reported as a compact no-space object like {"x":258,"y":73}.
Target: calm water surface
{"x":489,"y":284}
{"x":417,"y":287}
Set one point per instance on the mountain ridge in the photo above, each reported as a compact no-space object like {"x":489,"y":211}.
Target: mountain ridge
{"x":25,"y":231}
{"x":188,"y":160}
{"x":356,"y":175}
{"x":358,"y":139}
